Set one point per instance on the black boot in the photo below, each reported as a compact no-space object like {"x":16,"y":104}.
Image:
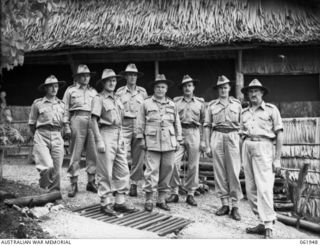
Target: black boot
{"x":91,"y":186}
{"x":190,"y":200}
{"x":235,"y":214}
{"x":74,"y":190}
{"x":133,"y":190}
{"x":259,"y":229}
{"x":173,"y":198}
{"x":223,"y":210}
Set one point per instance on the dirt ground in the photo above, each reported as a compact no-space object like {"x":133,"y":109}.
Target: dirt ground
{"x":65,"y":224}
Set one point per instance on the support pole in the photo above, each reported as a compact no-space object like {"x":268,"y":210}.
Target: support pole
{"x":239,"y":76}
{"x":156,"y":68}
{"x":1,"y":163}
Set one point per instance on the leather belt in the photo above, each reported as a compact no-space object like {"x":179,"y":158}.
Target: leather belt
{"x":225,"y":130}
{"x":188,"y":126}
{"x":258,"y":139}
{"x":80,"y":113}
{"x":109,"y":127}
{"x":49,"y":128}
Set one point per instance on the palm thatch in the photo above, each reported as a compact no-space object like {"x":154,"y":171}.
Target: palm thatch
{"x":170,"y":23}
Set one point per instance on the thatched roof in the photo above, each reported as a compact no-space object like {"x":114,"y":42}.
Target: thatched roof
{"x":172,"y":23}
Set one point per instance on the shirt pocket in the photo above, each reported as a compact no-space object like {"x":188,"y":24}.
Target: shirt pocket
{"x":264,"y":121}
{"x":195,"y":114}
{"x":151,"y":138}
{"x":217,"y":115}
{"x":152,"y":113}
{"x":233,"y":114}
{"x":169,"y":114}
{"x":45,"y":114}
{"x":111,"y":113}
{"x":76,"y":100}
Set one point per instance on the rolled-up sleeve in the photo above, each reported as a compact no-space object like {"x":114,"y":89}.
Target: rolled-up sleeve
{"x":33,"y":116}
{"x":66,"y":100}
{"x":141,"y":121}
{"x":207,"y":118}
{"x":277,"y":120}
{"x":96,"y":107}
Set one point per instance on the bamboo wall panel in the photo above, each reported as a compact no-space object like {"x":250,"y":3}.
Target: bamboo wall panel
{"x":300,"y":109}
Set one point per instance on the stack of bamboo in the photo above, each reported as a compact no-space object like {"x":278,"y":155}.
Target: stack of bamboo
{"x":302,"y":145}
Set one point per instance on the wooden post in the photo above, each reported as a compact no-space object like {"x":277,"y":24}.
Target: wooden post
{"x":239,"y":76}
{"x":1,"y":163}
{"x":156,"y":68}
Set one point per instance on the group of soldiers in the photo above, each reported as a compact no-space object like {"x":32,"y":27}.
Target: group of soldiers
{"x":158,"y":133}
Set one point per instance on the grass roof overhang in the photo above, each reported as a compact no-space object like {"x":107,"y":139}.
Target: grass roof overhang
{"x":134,"y":24}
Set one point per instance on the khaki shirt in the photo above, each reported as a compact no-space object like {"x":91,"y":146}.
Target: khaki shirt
{"x":219,"y":115}
{"x":190,"y":112}
{"x":159,"y":123}
{"x":108,"y":108}
{"x":45,"y":112}
{"x":131,"y":100}
{"x":78,"y":97}
{"x":265,"y":121}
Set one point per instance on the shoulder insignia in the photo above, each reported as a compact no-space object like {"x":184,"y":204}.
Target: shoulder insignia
{"x":213,"y":102}
{"x":235,"y":100}
{"x":201,"y":99}
{"x":141,"y":89}
{"x":37,"y":100}
{"x":270,"y":105}
{"x":176,"y":99}
{"x":120,"y":88}
{"x":244,"y":110}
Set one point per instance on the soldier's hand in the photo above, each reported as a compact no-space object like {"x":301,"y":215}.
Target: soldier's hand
{"x":178,"y":145}
{"x":143,"y":143}
{"x":67,"y":132}
{"x":276,"y":167}
{"x":202,"y":146}
{"x":208,"y":152}
{"x":101,"y":147}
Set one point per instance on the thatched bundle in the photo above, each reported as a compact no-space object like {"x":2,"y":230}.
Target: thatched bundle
{"x":301,"y":151}
{"x":170,"y":23}
{"x":301,"y":130}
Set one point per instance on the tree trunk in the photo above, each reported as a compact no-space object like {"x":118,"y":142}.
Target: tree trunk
{"x":31,"y":201}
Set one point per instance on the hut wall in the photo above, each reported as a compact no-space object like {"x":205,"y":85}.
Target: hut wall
{"x":302,"y":145}
{"x":291,"y":74}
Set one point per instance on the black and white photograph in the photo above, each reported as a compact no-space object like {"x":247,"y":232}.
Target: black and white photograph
{"x":160,"y":119}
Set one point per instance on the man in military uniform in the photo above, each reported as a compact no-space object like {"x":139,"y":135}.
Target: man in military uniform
{"x":222,"y":123}
{"x":261,"y":126}
{"x":191,"y":113}
{"x":159,"y":129}
{"x":78,"y":98}
{"x":46,"y":121}
{"x":112,"y":166}
{"x":132,"y":96}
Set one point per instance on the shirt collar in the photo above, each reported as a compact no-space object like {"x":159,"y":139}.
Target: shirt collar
{"x":45,"y":99}
{"x":107,"y":94}
{"x":262,"y":105}
{"x":165,"y":102}
{"x":79,"y":86}
{"x":192,"y":99}
{"x":229,"y":100}
{"x":135,"y":90}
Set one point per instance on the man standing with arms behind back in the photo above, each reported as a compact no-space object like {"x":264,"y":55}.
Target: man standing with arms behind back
{"x":191,"y":113}
{"x":132,"y":96}
{"x":261,"y":125}
{"x":222,"y":123}
{"x":78,"y":99}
